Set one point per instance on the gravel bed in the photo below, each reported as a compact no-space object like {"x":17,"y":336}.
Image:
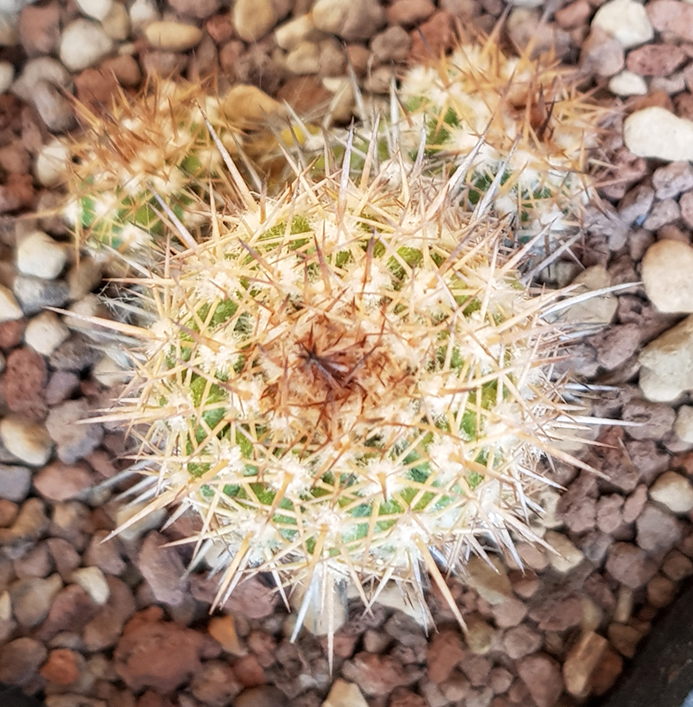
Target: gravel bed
{"x":119,"y":624}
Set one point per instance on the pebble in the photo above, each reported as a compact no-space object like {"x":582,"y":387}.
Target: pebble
{"x":253,"y":19}
{"x":15,"y":482}
{"x":20,"y":660}
{"x":32,"y":598}
{"x":9,"y":309}
{"x":625,"y":20}
{"x":489,"y":580}
{"x":626,"y":83}
{"x":6,"y":76}
{"x":158,"y":654}
{"x":602,"y":54}
{"x":657,"y":531}
{"x":45,"y":332}
{"x":359,"y":19}
{"x":143,"y":13}
{"x":304,"y":59}
{"x":378,"y":675}
{"x":668,"y":364}
{"x":345,"y":694}
{"x":28,"y":441}
{"x":84,"y":44}
{"x":594,"y":310}
{"x":672,"y":16}
{"x":51,"y":163}
{"x":658,"y":133}
{"x":163,"y":569}
{"x":35,"y":293}
{"x":297,"y":30}
{"x":666,"y":270}
{"x":673,"y":491}
{"x":74,"y":436}
{"x":445,"y":652}
{"x":656,"y":59}
{"x":41,"y":256}
{"x":116,"y":25}
{"x":96,"y":9}
{"x":542,"y":676}
{"x":581,"y":662}
{"x":94,"y":583}
{"x":684,"y":423}
{"x":565,"y":556}
{"x":61,"y":482}
{"x":173,"y":36}
{"x":391,"y":45}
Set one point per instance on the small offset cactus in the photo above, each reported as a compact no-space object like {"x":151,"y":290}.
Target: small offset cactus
{"x":349,"y":382}
{"x":537,"y":127}
{"x":156,"y":141}
{"x":538,"y":130}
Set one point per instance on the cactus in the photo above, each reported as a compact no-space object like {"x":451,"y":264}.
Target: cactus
{"x":156,"y":140}
{"x":349,"y":382}
{"x":538,"y":129}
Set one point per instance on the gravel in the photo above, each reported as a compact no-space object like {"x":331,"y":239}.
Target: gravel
{"x":118,"y":623}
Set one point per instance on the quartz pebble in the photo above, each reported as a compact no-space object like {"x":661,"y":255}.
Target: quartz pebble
{"x":627,"y":83}
{"x":96,"y":9}
{"x":84,"y":44}
{"x":657,"y":132}
{"x":51,"y":163}
{"x":626,"y":21}
{"x":668,"y":364}
{"x":41,"y":256}
{"x":45,"y":332}
{"x":666,"y":274}
{"x":673,"y":491}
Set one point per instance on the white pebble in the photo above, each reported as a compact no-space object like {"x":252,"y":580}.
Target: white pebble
{"x":94,"y":583}
{"x":628,"y":83}
{"x":41,"y":256}
{"x":45,"y":332}
{"x":28,"y":441}
{"x":51,"y":163}
{"x":83,"y":44}
{"x":656,"y":132}
{"x":626,"y":21}
{"x":666,"y":275}
{"x":9,"y":309}
{"x":673,"y":491}
{"x":143,"y":13}
{"x":97,"y":9}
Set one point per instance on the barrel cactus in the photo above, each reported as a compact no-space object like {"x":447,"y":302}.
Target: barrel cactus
{"x":348,"y":382}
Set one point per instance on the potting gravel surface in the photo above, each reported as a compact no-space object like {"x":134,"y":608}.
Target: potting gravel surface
{"x":118,"y":624}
